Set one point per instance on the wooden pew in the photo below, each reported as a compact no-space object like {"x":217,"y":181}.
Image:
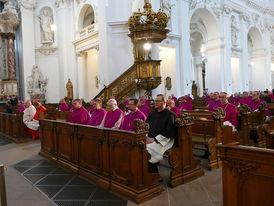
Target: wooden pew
{"x":184,"y":167}
{"x":247,"y":174}
{"x":268,"y":131}
{"x":12,"y":127}
{"x":199,"y":114}
{"x":207,"y":133}
{"x":118,"y":160}
{"x":251,"y":123}
{"x":199,"y":103}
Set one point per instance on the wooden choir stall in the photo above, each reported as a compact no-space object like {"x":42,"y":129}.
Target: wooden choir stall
{"x":118,"y":160}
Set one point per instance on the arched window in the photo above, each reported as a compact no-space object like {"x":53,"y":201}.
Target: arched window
{"x":88,"y":16}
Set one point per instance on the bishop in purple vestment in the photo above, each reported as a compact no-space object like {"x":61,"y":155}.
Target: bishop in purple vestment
{"x":185,"y":105}
{"x":63,"y":106}
{"x":134,"y":114}
{"x":215,"y":103}
{"x":79,"y":115}
{"x":143,"y":107}
{"x":114,"y":117}
{"x":256,"y":102}
{"x":98,"y":113}
{"x":230,"y":110}
{"x":21,"y":106}
{"x":245,"y":99}
{"x":171,"y":106}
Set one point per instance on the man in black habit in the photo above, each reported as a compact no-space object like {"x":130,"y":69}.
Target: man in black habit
{"x":162,"y":132}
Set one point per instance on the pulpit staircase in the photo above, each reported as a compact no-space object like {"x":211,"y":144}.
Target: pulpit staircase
{"x":125,"y":85}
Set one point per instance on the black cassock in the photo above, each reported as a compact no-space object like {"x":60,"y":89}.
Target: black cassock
{"x":162,"y":123}
{"x":163,"y":130}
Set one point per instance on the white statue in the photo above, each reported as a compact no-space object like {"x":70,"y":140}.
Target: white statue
{"x":36,"y":83}
{"x":46,"y":21}
{"x":234,"y":32}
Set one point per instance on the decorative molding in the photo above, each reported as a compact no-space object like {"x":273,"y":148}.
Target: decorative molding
{"x":184,"y":120}
{"x":47,"y":49}
{"x":244,"y":109}
{"x":26,"y":4}
{"x":226,"y":10}
{"x":219,"y":113}
{"x":140,"y":126}
{"x":61,"y":3}
{"x":240,"y":167}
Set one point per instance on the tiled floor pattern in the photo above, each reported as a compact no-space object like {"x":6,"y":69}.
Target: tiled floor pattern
{"x":4,"y":141}
{"x":64,"y":188}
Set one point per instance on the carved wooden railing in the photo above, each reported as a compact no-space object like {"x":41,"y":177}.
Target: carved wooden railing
{"x":124,"y":85}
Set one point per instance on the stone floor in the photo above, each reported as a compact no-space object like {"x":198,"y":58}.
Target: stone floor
{"x":204,"y":191}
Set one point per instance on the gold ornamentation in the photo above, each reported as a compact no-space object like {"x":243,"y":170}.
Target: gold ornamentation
{"x":244,"y":109}
{"x":140,"y":126}
{"x":263,"y":106}
{"x":184,"y":120}
{"x":219,"y":113}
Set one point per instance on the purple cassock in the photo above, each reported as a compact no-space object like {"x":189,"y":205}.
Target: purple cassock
{"x":79,"y":116}
{"x":189,"y":99}
{"x":255,"y":106}
{"x":129,"y":120}
{"x":145,"y":109}
{"x":96,"y":117}
{"x":235,"y":100}
{"x":174,"y":99}
{"x":91,"y":109}
{"x":185,"y":106}
{"x":71,"y":108}
{"x":112,"y":117}
{"x":22,"y":108}
{"x":64,"y":107}
{"x":214,"y":105}
{"x":245,"y":100}
{"x":176,"y":111}
{"x":271,"y":96}
{"x":231,"y":113}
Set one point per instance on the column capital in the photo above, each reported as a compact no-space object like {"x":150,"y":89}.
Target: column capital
{"x":26,"y":4}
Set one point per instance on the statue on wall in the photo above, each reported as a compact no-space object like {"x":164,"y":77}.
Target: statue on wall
{"x":36,"y":83}
{"x":194,"y":89}
{"x":234,"y":32}
{"x":69,"y":87}
{"x":46,"y":20}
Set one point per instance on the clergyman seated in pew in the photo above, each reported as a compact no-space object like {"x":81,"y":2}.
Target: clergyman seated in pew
{"x":63,"y":105}
{"x":79,"y":115}
{"x":171,"y":106}
{"x":231,"y":117}
{"x":115,"y":117}
{"x":185,"y":105}
{"x":256,"y":102}
{"x":162,"y":132}
{"x":134,"y":114}
{"x":32,"y":125}
{"x":98,"y":113}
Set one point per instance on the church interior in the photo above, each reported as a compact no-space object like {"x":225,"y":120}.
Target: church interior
{"x":136,"y":102}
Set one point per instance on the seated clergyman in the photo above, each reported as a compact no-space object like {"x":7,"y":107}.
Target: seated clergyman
{"x":134,"y":114}
{"x":97,"y":114}
{"x":32,"y":125}
{"x":231,"y":117}
{"x":114,"y":117}
{"x":162,"y":132}
{"x":79,"y":115}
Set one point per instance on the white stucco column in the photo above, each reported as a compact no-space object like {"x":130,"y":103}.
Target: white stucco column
{"x":227,"y":53}
{"x":65,"y":37}
{"x":268,"y":71}
{"x":215,"y":66}
{"x":244,"y":59}
{"x":27,"y":51}
{"x":81,"y":57}
{"x":185,"y":51}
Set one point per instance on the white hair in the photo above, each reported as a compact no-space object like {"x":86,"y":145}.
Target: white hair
{"x":113,"y":101}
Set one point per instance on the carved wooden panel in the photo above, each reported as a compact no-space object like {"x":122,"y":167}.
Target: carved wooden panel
{"x":48,"y":137}
{"x":65,"y":136}
{"x":92,"y":149}
{"x":248,"y":175}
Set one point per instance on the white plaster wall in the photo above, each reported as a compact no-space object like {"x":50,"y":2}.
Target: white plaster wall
{"x":91,"y":73}
{"x":236,"y":74}
{"x":168,"y":69}
{"x":47,"y":66}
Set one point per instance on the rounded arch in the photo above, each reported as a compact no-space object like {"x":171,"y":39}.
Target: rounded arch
{"x":209,"y":21}
{"x":255,"y":38}
{"x":86,"y":15}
